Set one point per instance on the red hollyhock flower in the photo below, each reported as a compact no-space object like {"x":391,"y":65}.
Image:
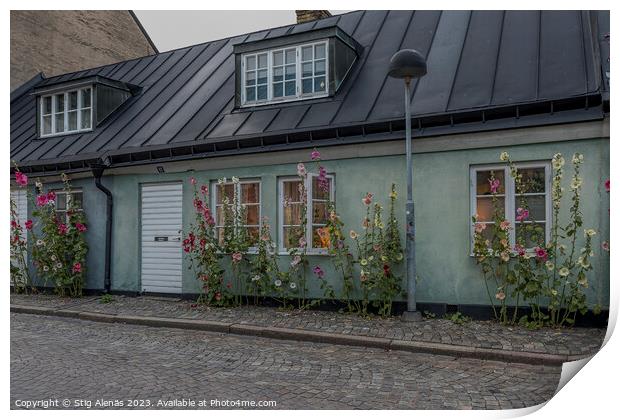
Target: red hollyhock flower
{"x":21,"y":179}
{"x":77,"y":268}
{"x":28,"y":224}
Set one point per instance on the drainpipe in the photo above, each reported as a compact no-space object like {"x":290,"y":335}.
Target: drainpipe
{"x":97,"y":173}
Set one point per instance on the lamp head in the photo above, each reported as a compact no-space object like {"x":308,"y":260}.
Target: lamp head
{"x":407,"y":64}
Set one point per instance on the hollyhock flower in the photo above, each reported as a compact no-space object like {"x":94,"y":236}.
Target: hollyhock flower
{"x":42,"y":200}
{"x":77,"y":268}
{"x":14,"y":224}
{"x":504,"y":156}
{"x":589,"y":233}
{"x":376,"y":247}
{"x":302,"y":242}
{"x":363,"y":276}
{"x":500,"y":295}
{"x":301,"y":170}
{"x":522,"y":214}
{"x":292,"y":285}
{"x":229,"y":286}
{"x":333,"y":216}
{"x":386,"y":270}
{"x":58,"y":265}
{"x":28,"y":224}
{"x":605,"y":246}
{"x":256,"y":278}
{"x":198,"y":203}
{"x":564,"y":272}
{"x":367,"y":200}
{"x":322,"y":179}
{"x":494,"y":185}
{"x":353,"y":234}
{"x":80,"y":227}
{"x":541,"y":253}
{"x":577,"y":158}
{"x":192,"y":181}
{"x":296,"y":260}
{"x":557,"y":161}
{"x":46,"y":268}
{"x":278,"y":282}
{"x":51,"y":196}
{"x":21,"y":179}
{"x":218,"y":296}
{"x":236,"y":257}
{"x":479,"y":227}
{"x":519,"y":250}
{"x":209,"y":217}
{"x":315,"y":155}
{"x":505,"y":225}
{"x":365,"y":223}
{"x":204,"y":190}
{"x":203,"y":242}
{"x":318,"y":271}
{"x":363,"y":261}
{"x":62,"y":229}
{"x":550,"y":266}
{"x":576,"y":183}
{"x":607,"y":185}
{"x":505,"y":256}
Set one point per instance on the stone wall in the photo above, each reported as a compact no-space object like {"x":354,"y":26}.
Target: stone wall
{"x":61,"y":41}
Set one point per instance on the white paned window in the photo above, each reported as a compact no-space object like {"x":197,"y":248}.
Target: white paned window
{"x":291,"y":213}
{"x":249,"y":195}
{"x":285,"y":74}
{"x":535,"y":198}
{"x":66,"y":199}
{"x":66,"y":112}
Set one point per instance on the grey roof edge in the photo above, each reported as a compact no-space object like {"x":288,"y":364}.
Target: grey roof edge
{"x":97,"y":79}
{"x":560,"y":117}
{"x":26,"y":86}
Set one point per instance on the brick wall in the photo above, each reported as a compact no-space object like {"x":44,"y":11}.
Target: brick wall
{"x":56,"y":42}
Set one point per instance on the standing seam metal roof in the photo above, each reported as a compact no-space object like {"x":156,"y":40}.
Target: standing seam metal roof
{"x":476,"y":60}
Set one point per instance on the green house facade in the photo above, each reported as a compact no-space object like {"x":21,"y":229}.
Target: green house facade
{"x":252,"y":107}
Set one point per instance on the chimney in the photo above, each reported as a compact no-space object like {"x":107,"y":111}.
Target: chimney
{"x":309,"y":15}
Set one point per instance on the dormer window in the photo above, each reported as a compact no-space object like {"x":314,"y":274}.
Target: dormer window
{"x":80,"y":105}
{"x":66,"y":112}
{"x":285,"y":74}
{"x":290,"y":68}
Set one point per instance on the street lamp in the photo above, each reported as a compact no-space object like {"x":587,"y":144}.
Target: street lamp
{"x":407,"y":64}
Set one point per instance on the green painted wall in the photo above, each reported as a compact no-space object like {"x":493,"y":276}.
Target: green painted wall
{"x":447,"y":274}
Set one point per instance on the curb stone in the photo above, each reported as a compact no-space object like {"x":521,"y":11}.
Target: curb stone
{"x":308,"y":335}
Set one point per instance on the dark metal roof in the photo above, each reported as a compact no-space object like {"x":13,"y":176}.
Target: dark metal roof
{"x":482,"y":65}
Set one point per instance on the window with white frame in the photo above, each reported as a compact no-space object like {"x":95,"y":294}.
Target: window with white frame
{"x":291,"y":213}
{"x":66,"y":200}
{"x":287,"y":73}
{"x":249,"y":195}
{"x":66,"y":112}
{"x":529,"y":206}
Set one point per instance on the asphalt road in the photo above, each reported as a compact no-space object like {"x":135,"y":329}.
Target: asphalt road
{"x":69,"y":363}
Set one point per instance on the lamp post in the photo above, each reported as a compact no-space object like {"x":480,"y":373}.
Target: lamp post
{"x":408,"y":64}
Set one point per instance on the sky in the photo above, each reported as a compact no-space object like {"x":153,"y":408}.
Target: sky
{"x":176,"y":29}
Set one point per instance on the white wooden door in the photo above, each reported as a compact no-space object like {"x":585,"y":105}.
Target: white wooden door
{"x":162,"y":221}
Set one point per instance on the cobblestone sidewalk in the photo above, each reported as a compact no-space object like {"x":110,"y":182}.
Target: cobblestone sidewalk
{"x":475,"y":334}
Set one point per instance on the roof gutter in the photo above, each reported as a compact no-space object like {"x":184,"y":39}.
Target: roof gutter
{"x":97,"y":173}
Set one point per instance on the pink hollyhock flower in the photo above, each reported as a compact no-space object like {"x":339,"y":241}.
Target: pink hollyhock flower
{"x":494,"y":185}
{"x":14,"y":224}
{"x":198,"y":203}
{"x":367,"y":200}
{"x":322,"y":179}
{"x":522,"y":214}
{"x":315,"y":155}
{"x":302,"y":242}
{"x":192,"y":181}
{"x":42,"y":200}
{"x":318,"y":271}
{"x":541,"y":253}
{"x":203,"y":242}
{"x":209,"y":217}
{"x":500,"y":295}
{"x":607,"y":185}
{"x":62,"y":229}
{"x":605,"y":246}
{"x":21,"y":179}
{"x":51,"y":196}
{"x":236,"y":257}
{"x":479,"y":227}
{"x":505,"y":225}
{"x":79,"y":226}
{"x":204,"y":189}
{"x":28,"y":224}
{"x":519,"y":250}
{"x":77,"y":268}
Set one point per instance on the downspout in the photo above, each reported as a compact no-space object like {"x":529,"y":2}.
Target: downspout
{"x":97,"y":173}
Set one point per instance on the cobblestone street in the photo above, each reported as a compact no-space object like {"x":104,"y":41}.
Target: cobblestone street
{"x":75,"y":359}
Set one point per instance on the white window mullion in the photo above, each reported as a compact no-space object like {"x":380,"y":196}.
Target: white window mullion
{"x":510,"y":200}
{"x":66,"y":112}
{"x":309,"y":212}
{"x":79,"y":109}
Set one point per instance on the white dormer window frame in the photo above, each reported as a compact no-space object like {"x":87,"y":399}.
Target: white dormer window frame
{"x":311,"y":66}
{"x":66,"y":112}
